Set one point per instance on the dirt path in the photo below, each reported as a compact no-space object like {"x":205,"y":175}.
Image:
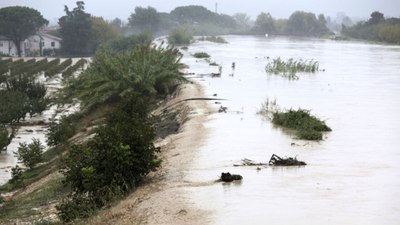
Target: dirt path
{"x":162,"y":199}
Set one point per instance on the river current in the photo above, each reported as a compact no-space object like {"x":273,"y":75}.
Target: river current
{"x":351,"y":177}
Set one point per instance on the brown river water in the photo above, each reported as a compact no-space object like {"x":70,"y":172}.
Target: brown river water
{"x":352,"y":176}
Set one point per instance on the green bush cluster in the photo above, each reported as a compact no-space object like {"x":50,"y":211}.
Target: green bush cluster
{"x":201,"y":55}
{"x":112,"y":163}
{"x":308,"y":127}
{"x":180,"y":36}
{"x":126,"y":44}
{"x":30,"y":154}
{"x":59,"y":133}
{"x":145,"y":69}
{"x":215,"y":39}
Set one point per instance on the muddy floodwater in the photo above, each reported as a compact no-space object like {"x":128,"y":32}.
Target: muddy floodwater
{"x":352,"y":176}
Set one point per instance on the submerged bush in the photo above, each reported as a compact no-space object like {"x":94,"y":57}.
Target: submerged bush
{"x":215,"y":39}
{"x":5,"y":137}
{"x":59,"y":133}
{"x":309,"y":127}
{"x":180,"y":36}
{"x":201,"y":55}
{"x":290,"y":67}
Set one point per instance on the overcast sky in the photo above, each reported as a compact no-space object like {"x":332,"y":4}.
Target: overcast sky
{"x":53,"y":9}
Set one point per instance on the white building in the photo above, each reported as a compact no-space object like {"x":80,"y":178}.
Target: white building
{"x":33,"y":46}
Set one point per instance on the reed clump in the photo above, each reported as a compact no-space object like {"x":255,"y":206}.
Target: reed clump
{"x":291,"y":67}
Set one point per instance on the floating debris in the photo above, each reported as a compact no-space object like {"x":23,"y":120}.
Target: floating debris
{"x":249,"y":162}
{"x":227,"y":177}
{"x":278,"y":161}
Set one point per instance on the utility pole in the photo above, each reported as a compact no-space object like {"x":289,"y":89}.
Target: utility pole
{"x":216,"y":7}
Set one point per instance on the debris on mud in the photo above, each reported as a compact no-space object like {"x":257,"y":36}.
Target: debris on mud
{"x":227,"y":177}
{"x":278,"y":161}
{"x":222,"y":109}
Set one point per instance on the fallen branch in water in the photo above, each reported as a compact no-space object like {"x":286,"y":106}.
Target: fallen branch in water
{"x":278,"y":161}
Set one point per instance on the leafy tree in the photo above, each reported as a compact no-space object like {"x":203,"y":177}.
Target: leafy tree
{"x":76,"y":31}
{"x":101,"y":32}
{"x":16,"y":176}
{"x":5,"y":137}
{"x":242,"y":20}
{"x":305,"y":24}
{"x":112,"y":163}
{"x":30,"y":154}
{"x":265,"y":24}
{"x":60,"y":132}
{"x":376,"y":17}
{"x":145,"y":19}
{"x":18,"y":23}
{"x":13,"y":106}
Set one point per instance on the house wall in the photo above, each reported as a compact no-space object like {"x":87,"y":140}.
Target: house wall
{"x":8,"y":48}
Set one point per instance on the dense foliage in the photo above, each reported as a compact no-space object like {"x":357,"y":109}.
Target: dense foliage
{"x":377,"y":28}
{"x":309,"y":127}
{"x":18,"y":23}
{"x":146,"y":69}
{"x":30,"y":154}
{"x":126,"y":44}
{"x":59,"y":132}
{"x":145,"y":20}
{"x":113,"y":162}
{"x":180,"y":36}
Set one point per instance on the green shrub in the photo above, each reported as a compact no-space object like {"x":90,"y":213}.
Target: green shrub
{"x":60,"y":132}
{"x":16,"y":176}
{"x":112,"y":163}
{"x":126,"y":44}
{"x":180,"y":36}
{"x":76,"y":206}
{"x":50,"y":72}
{"x":149,"y":70}
{"x":30,"y":154}
{"x":72,"y":69}
{"x":215,"y":39}
{"x":309,"y":127}
{"x":201,"y":55}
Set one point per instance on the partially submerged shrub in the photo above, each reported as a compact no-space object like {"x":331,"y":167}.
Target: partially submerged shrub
{"x":5,"y":137}
{"x":308,"y":127}
{"x":215,"y":39}
{"x":30,"y":154}
{"x":201,"y":55}
{"x":291,"y":67}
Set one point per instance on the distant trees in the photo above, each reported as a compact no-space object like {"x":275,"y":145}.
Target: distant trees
{"x":265,"y":24}
{"x":76,"y":30}
{"x":18,"y":23}
{"x":82,"y":33}
{"x":377,"y":28}
{"x":145,"y":20}
{"x":306,"y":24}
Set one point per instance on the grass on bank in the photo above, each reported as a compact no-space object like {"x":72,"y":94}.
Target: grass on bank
{"x":307,"y":126}
{"x":291,"y":67}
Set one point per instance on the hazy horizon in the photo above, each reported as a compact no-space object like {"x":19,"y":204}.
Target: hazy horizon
{"x":52,"y":10}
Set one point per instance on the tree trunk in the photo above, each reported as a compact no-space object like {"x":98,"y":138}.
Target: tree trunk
{"x":17,"y":43}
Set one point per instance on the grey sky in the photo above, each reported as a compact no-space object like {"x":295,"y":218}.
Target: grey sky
{"x":53,"y":9}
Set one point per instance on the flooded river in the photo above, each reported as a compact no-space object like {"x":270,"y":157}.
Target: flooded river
{"x":352,"y":177}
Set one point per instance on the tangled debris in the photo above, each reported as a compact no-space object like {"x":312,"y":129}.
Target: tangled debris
{"x":278,"y":161}
{"x":227,"y":177}
{"x":249,"y":162}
